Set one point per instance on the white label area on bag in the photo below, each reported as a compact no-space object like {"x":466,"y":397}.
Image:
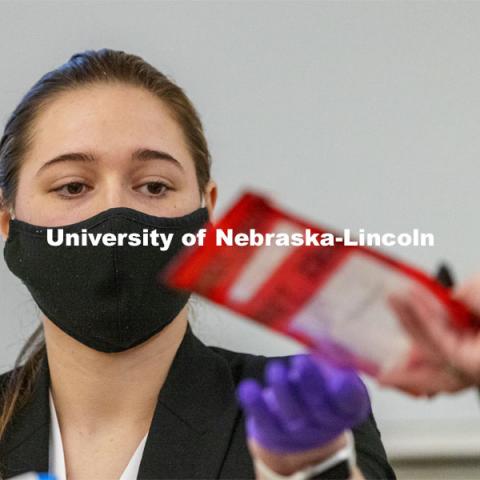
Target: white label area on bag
{"x":262,"y":265}
{"x":351,"y":309}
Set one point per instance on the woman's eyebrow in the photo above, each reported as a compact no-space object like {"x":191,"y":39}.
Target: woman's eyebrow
{"x":67,"y":157}
{"x":142,"y":154}
{"x":148,"y":154}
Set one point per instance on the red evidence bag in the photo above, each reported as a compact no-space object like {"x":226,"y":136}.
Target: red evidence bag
{"x":333,"y":299}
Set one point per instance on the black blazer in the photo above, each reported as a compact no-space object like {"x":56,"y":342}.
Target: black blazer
{"x":197,"y":431}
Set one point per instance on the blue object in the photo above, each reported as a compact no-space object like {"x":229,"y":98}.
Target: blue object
{"x":305,"y":403}
{"x":35,"y":476}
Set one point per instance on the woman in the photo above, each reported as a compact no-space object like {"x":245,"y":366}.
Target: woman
{"x":114,"y":383}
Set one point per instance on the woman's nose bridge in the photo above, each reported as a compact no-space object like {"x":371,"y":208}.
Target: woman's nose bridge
{"x":116,"y":192}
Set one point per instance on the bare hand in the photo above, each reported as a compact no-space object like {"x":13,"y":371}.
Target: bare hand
{"x":443,"y":358}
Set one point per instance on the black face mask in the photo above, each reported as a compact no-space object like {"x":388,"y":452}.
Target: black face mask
{"x":106,"y":297}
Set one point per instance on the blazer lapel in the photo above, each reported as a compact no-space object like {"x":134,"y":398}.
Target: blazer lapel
{"x":26,"y":443}
{"x":194,"y":417}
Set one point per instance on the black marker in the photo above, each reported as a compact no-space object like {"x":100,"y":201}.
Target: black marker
{"x":444,"y":276}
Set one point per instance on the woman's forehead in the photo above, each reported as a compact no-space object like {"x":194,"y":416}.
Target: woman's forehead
{"x":108,"y":118}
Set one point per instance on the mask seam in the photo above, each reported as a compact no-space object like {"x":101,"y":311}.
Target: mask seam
{"x":117,"y":306}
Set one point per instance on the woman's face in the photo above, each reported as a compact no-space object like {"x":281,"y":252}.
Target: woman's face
{"x":106,"y":146}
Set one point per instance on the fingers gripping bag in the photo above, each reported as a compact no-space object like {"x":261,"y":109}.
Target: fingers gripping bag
{"x":286,"y":273}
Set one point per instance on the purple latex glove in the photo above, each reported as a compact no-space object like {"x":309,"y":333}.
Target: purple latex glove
{"x":305,"y":404}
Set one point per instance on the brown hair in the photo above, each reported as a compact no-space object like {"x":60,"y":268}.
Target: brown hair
{"x":86,"y":68}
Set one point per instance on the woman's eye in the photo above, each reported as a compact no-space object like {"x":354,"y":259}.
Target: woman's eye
{"x":72,"y":189}
{"x":75,"y":189}
{"x":156,"y":189}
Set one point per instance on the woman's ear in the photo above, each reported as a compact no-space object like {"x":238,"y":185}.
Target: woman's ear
{"x":211,"y":192}
{"x":5,"y":216}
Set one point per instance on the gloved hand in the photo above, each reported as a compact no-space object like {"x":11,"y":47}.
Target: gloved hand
{"x":305,"y":404}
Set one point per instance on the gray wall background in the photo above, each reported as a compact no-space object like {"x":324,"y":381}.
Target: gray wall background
{"x":356,"y":114}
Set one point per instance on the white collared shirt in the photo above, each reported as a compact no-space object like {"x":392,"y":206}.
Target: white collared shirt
{"x":57,"y":456}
